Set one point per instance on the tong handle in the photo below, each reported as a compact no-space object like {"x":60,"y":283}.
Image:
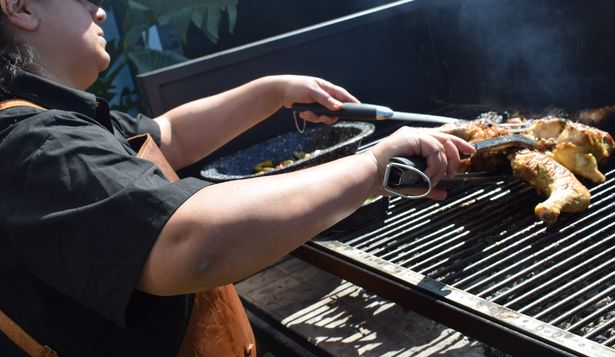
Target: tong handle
{"x":348,"y":111}
{"x":402,"y":177}
{"x":403,"y":172}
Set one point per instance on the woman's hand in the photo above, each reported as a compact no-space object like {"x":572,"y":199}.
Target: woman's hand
{"x":303,"y":89}
{"x":439,"y":149}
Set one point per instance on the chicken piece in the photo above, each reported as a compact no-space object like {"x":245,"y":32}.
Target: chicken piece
{"x":474,"y":130}
{"x":565,"y":192}
{"x":482,"y":128}
{"x":547,"y":128}
{"x":578,"y":147}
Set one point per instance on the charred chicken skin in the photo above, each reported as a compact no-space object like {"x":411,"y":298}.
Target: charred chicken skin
{"x":565,"y":192}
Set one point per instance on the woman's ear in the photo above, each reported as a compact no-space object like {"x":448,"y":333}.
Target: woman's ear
{"x":18,"y":14}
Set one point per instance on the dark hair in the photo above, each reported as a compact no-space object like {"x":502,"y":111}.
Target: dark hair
{"x":13,"y":57}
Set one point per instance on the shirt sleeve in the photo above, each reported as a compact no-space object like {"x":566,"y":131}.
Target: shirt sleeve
{"x":89,"y":213}
{"x":126,"y":125}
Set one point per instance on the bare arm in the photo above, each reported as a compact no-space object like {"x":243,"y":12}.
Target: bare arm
{"x":195,"y":129}
{"x":228,"y":231}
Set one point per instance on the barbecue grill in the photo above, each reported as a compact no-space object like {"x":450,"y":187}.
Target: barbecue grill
{"x":480,"y":261}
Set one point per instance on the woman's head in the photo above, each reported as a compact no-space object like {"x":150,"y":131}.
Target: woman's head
{"x":59,"y":39}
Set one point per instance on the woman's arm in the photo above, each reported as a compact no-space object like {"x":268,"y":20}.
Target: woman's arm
{"x":195,"y":129}
{"x":231,"y":230}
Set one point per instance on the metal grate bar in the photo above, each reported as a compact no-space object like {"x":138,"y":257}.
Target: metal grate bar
{"x":556,"y":246}
{"x":504,"y":254}
{"x":400,"y":226}
{"x":610,"y":342}
{"x":416,"y":249}
{"x":462,"y":256}
{"x":601,"y":328}
{"x":501,"y":257}
{"x":539,"y":279}
{"x":574,"y":296}
{"x":562,"y":288}
{"x":466,"y":247}
{"x":591,"y":317}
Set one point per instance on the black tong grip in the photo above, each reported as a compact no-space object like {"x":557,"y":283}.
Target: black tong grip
{"x":348,"y":111}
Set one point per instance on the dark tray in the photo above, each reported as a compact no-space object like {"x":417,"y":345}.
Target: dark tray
{"x":331,"y":141}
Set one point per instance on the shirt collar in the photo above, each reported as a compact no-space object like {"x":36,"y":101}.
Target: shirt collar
{"x":52,"y":95}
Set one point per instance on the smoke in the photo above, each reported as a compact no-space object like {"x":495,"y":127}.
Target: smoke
{"x":539,"y":52}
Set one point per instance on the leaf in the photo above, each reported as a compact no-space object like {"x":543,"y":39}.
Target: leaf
{"x":181,"y":24}
{"x":140,"y":16}
{"x":146,"y":60}
{"x":213,"y":22}
{"x":231,"y":9}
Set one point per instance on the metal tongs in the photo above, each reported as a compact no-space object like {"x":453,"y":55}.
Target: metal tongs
{"x":403,"y":173}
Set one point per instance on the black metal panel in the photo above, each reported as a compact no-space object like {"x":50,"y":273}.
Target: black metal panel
{"x":413,"y":55}
{"x":355,"y":51}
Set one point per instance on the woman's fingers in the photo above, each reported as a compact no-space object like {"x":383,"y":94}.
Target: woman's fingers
{"x":333,"y":95}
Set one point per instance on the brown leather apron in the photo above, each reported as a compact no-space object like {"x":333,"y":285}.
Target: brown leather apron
{"x":218,"y":323}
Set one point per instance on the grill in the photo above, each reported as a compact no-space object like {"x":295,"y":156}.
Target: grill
{"x":482,"y":251}
{"x":479,"y":262}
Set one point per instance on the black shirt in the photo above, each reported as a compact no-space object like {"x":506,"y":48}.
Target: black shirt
{"x":79,"y":214}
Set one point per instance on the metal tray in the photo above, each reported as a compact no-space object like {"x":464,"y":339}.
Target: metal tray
{"x":325,"y":142}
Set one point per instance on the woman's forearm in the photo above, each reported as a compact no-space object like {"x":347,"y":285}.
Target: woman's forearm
{"x":231,"y":230}
{"x":195,"y":129}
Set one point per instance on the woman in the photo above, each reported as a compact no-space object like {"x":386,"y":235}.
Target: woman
{"x":101,"y":253}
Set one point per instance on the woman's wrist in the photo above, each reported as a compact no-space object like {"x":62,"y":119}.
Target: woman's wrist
{"x":375,"y":170}
{"x":274,"y":86}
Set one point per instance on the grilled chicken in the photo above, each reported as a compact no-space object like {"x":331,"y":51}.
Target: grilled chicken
{"x":564,"y":148}
{"x":482,"y":128}
{"x":565,"y":192}
{"x":578,"y":147}
{"x":547,"y":128}
{"x":474,"y":130}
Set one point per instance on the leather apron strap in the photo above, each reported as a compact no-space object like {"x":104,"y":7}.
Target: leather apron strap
{"x":218,"y":323}
{"x":11,"y":103}
{"x":9,"y":327}
{"x":22,"y":339}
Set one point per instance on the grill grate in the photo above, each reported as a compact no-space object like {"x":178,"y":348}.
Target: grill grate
{"x":487,"y":242}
